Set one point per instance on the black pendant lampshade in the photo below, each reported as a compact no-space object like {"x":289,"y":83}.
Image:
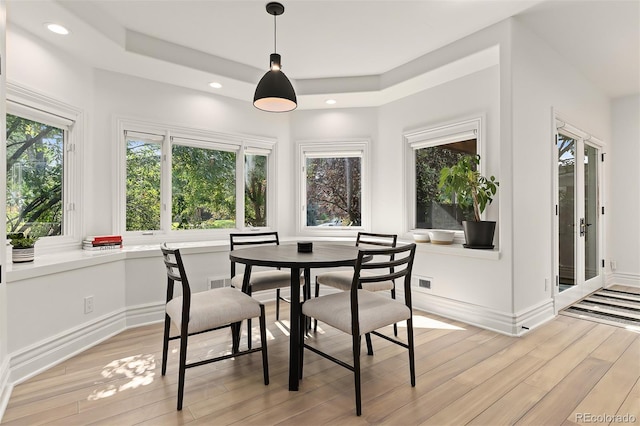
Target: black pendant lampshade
{"x":274,"y":92}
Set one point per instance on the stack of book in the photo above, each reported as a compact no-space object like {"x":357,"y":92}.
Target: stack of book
{"x":103,"y":242}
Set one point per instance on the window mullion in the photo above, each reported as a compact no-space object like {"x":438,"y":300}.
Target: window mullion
{"x":166,"y":183}
{"x":240,"y":223}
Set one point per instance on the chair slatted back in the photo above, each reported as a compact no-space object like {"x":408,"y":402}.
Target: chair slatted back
{"x":176,"y":273}
{"x":371,"y":239}
{"x":383,"y":265}
{"x":244,"y":239}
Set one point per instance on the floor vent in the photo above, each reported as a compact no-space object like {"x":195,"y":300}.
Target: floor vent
{"x":422,"y":283}
{"x":219,"y":282}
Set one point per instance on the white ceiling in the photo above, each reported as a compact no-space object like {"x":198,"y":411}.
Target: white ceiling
{"x":337,"y":49}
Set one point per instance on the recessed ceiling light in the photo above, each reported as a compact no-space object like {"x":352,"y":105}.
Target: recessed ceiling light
{"x":330,"y":101}
{"x":57,"y":28}
{"x":215,"y":85}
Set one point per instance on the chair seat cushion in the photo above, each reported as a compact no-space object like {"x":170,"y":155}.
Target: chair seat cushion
{"x":213,"y":308}
{"x":266,"y":280}
{"x":374,"y":310}
{"x":342,"y":280}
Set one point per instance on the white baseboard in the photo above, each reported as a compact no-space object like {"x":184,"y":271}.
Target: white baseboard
{"x":42,"y":355}
{"x":145,"y":314}
{"x":512,"y":324}
{"x":622,"y":278}
{"x":45,"y":354}
{"x":5,"y":386}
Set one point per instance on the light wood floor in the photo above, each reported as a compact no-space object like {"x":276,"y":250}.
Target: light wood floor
{"x":555,"y":374}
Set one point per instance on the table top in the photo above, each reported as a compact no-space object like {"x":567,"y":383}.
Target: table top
{"x":287,"y":256}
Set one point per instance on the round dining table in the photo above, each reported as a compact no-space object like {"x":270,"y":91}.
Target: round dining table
{"x":287,"y":256}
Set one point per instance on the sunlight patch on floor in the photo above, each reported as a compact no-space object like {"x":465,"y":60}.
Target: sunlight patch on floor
{"x":633,"y":328}
{"x":283,"y":325}
{"x":420,"y":321}
{"x":139,"y":369}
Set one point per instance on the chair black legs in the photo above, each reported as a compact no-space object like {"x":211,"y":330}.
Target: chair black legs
{"x":356,"y":373}
{"x":303,"y":334}
{"x":317,"y":293}
{"x":395,"y":326}
{"x":367,"y":338}
{"x":165,"y":343}
{"x":235,"y":337}
{"x":263,"y":343}
{"x":182,"y":367}
{"x":235,"y":333}
{"x":412,"y":358}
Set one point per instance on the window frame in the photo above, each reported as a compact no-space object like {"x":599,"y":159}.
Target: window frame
{"x":186,"y":136}
{"x":438,"y":134}
{"x":32,"y":105}
{"x":327,"y":148}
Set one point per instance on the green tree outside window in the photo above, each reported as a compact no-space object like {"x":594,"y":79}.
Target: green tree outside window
{"x":35,"y":156}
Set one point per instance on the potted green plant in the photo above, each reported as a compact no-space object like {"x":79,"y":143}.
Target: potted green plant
{"x":23,"y":247}
{"x":471,"y":189}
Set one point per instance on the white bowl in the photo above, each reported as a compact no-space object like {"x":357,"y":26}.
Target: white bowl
{"x":421,"y":238}
{"x":441,"y":237}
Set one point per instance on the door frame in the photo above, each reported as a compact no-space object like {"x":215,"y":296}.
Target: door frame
{"x":583,"y":287}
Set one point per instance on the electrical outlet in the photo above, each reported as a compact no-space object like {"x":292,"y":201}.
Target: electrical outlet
{"x":614,"y":265}
{"x":88,"y":304}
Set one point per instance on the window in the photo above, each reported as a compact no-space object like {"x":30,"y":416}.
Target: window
{"x":203,"y":192}
{"x":34,"y":176}
{"x":255,"y":189}
{"x":143,"y":182}
{"x":432,"y":150}
{"x":333,"y":189}
{"x":41,"y":136}
{"x":180,"y":181}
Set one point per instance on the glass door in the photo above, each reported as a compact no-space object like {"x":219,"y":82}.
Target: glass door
{"x":578,"y":215}
{"x":590,"y":228}
{"x":566,"y":212}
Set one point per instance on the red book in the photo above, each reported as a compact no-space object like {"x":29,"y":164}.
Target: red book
{"x":107,"y":239}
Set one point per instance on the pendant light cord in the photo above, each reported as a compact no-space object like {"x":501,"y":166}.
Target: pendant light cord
{"x":275,"y":33}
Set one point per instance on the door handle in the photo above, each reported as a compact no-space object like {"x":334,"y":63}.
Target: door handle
{"x":583,"y":227}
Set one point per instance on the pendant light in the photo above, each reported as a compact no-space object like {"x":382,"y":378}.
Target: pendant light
{"x":274,"y":92}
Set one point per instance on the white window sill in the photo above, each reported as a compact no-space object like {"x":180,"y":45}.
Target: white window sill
{"x":52,"y":263}
{"x":456,"y":250}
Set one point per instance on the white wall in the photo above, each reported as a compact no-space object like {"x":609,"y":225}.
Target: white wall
{"x":4,"y":358}
{"x":624,"y":188}
{"x":333,"y":125}
{"x":469,"y":280}
{"x":542,"y":80}
{"x":48,"y":70}
{"x":41,"y":309}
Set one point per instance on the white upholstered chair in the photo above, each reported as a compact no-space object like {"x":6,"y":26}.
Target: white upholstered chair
{"x":260,"y":280}
{"x":357,"y":311}
{"x":341,"y":280}
{"x":195,"y":313}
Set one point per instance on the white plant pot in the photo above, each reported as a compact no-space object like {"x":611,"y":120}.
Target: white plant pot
{"x":21,"y":255}
{"x":420,"y":238}
{"x":441,"y":237}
